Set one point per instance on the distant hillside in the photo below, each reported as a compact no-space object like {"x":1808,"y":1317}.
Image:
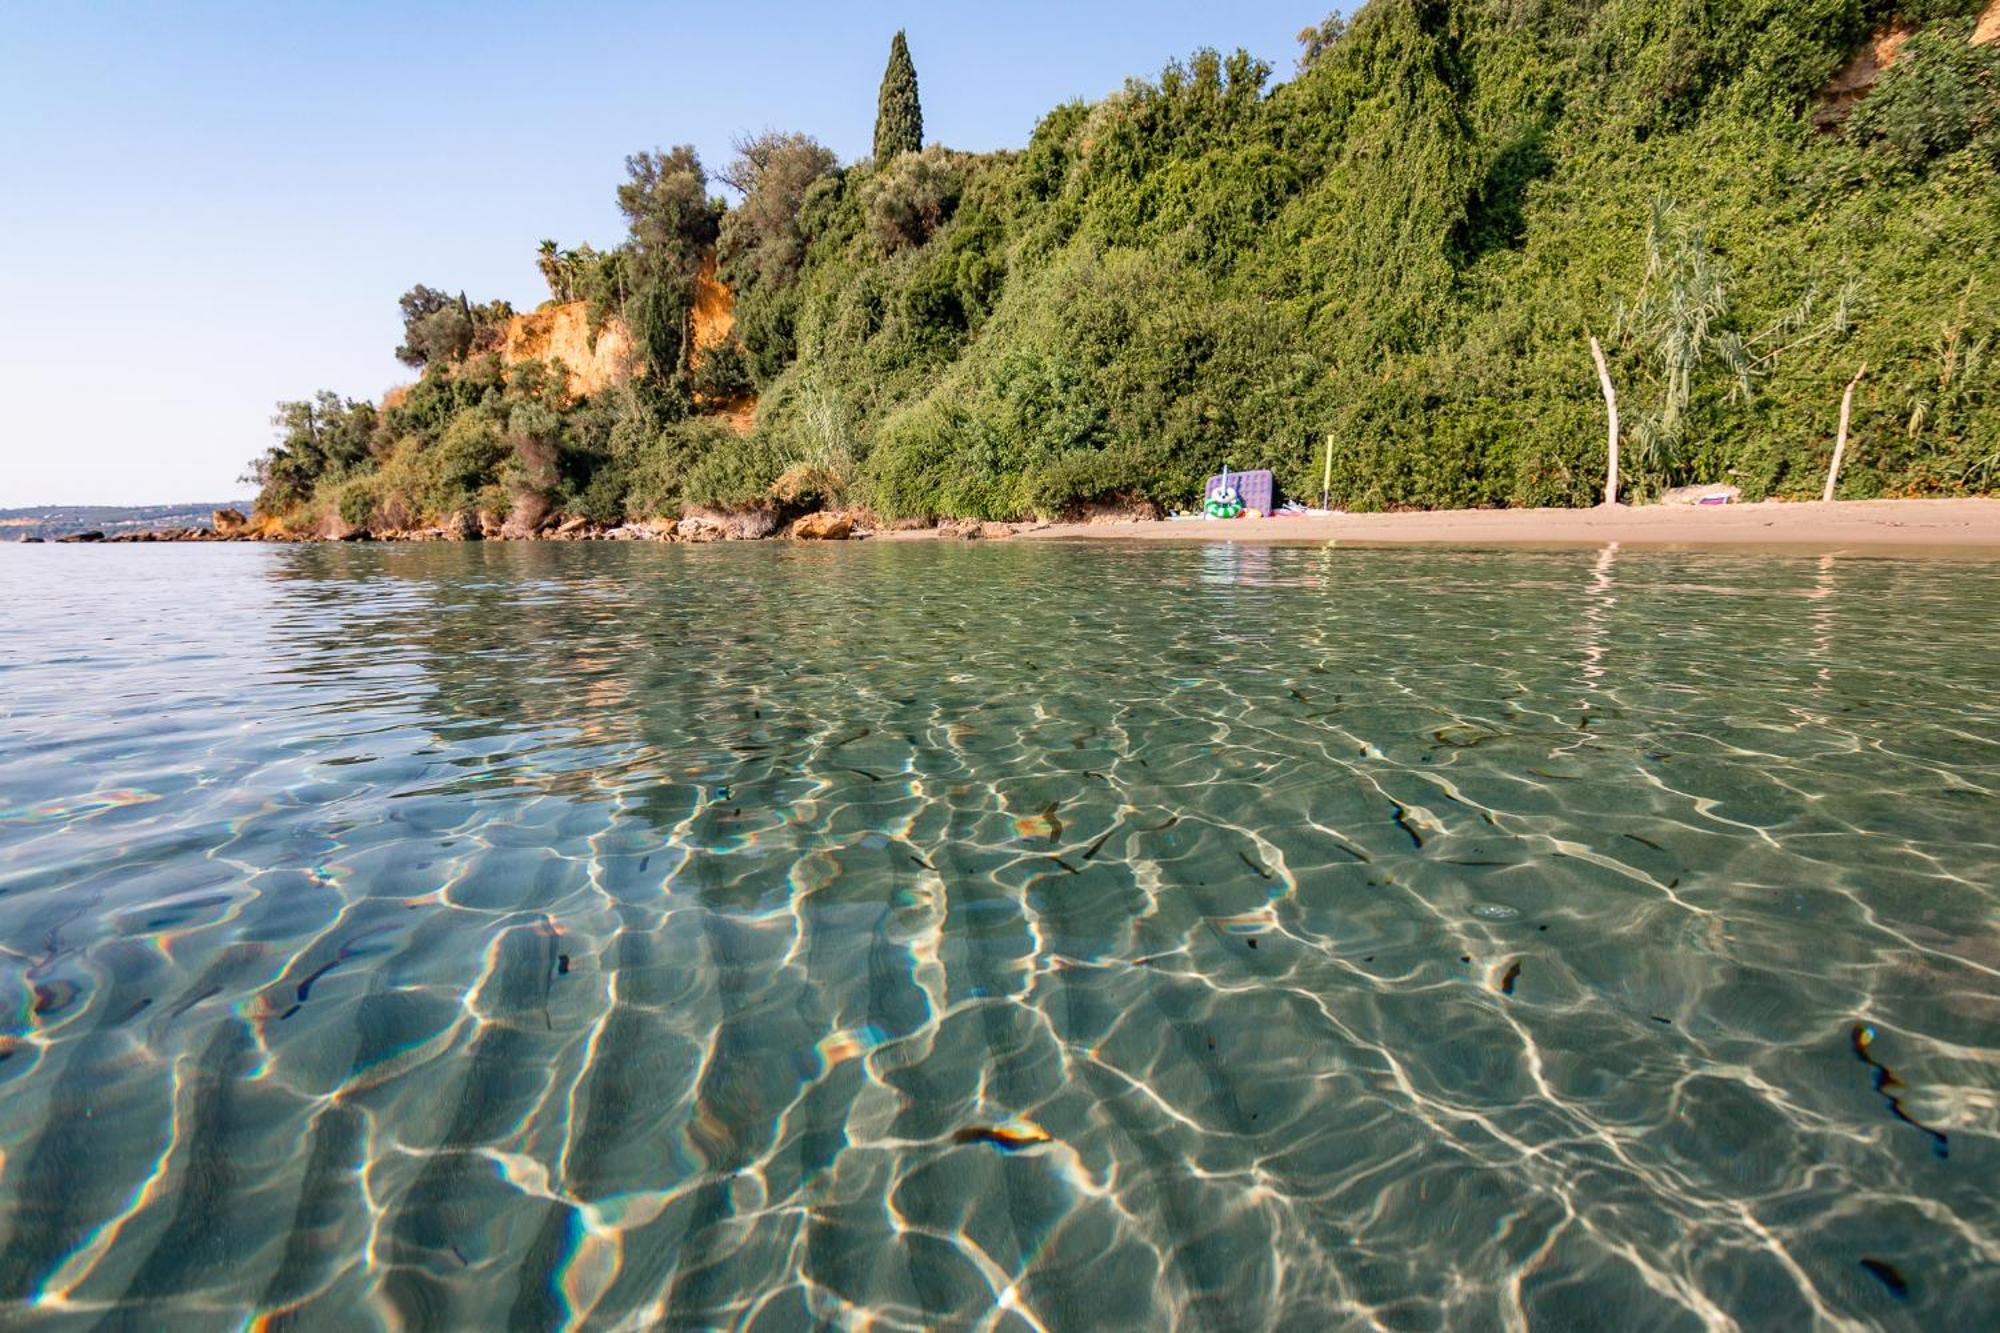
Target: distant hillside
{"x":1385,"y":271}
{"x":51,"y":521}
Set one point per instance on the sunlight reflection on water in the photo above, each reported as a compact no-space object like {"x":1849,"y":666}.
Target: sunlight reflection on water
{"x":1009,"y":936}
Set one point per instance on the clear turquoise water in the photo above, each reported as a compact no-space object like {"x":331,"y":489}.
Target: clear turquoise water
{"x":520,"y":935}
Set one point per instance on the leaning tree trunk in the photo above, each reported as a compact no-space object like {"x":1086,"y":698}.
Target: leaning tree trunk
{"x":1840,"y":440}
{"x":1610,"y":407}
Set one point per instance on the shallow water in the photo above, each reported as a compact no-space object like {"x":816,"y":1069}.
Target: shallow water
{"x":513,"y":935}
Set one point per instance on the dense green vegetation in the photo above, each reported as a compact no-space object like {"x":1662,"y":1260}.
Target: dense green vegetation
{"x":1403,"y":248}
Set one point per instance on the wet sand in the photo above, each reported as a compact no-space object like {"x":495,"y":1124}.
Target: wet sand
{"x":1962,"y":526}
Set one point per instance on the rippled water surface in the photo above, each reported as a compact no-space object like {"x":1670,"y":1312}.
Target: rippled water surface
{"x":997,"y":936}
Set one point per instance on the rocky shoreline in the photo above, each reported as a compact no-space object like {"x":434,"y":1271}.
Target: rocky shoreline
{"x":705,"y":526}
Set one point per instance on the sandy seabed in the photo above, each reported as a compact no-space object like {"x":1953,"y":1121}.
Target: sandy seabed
{"x":1956,"y":526}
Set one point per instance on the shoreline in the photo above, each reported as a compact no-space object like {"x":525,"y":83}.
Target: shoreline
{"x":1966,"y":527}
{"x":1948,"y":526}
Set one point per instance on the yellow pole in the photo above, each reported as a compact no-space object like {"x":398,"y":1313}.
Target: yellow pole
{"x":1326,"y":477}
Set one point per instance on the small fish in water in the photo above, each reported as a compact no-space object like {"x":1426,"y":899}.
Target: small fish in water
{"x":1009,"y":1135}
{"x":1509,"y":977}
{"x":1888,"y":1275}
{"x":1065,"y":865}
{"x":1097,"y":846}
{"x":1645,"y":842}
{"x":562,"y":964}
{"x":1862,"y":1038}
{"x":1044,"y":825}
{"x":1403,"y":822}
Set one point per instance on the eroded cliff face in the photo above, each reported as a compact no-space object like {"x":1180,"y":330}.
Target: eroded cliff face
{"x":1860,"y":74}
{"x":715,"y":307}
{"x":560,"y":332}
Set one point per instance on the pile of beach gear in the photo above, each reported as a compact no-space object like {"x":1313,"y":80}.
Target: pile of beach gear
{"x":1251,"y":494}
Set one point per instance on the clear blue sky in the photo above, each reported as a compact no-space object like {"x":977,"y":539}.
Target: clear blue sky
{"x":208,"y":207}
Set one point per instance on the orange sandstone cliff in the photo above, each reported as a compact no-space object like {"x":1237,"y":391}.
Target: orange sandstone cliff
{"x":559,"y":332}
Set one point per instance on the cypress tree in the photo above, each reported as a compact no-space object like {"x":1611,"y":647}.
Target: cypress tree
{"x":899,"y":117}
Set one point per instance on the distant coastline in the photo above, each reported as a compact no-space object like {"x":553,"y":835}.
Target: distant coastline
{"x":53,"y":522}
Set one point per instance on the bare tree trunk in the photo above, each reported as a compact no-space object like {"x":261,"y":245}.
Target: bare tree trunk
{"x":1611,"y":407}
{"x":1840,"y":440}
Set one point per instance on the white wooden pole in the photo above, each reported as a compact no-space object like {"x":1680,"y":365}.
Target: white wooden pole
{"x":1840,"y":440}
{"x":1611,"y":407}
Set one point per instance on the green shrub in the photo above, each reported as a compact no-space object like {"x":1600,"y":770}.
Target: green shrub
{"x":912,"y":196}
{"x":355,"y":502}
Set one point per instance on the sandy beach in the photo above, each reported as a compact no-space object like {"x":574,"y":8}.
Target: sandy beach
{"x":1958,"y":526}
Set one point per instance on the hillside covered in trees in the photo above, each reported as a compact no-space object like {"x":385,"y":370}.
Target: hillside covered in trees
{"x":1403,"y":246}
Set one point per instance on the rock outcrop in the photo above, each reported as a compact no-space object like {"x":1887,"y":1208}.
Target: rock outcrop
{"x":736,"y":525}
{"x":696,"y":528}
{"x":823,"y":527}
{"x":1859,"y":76}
